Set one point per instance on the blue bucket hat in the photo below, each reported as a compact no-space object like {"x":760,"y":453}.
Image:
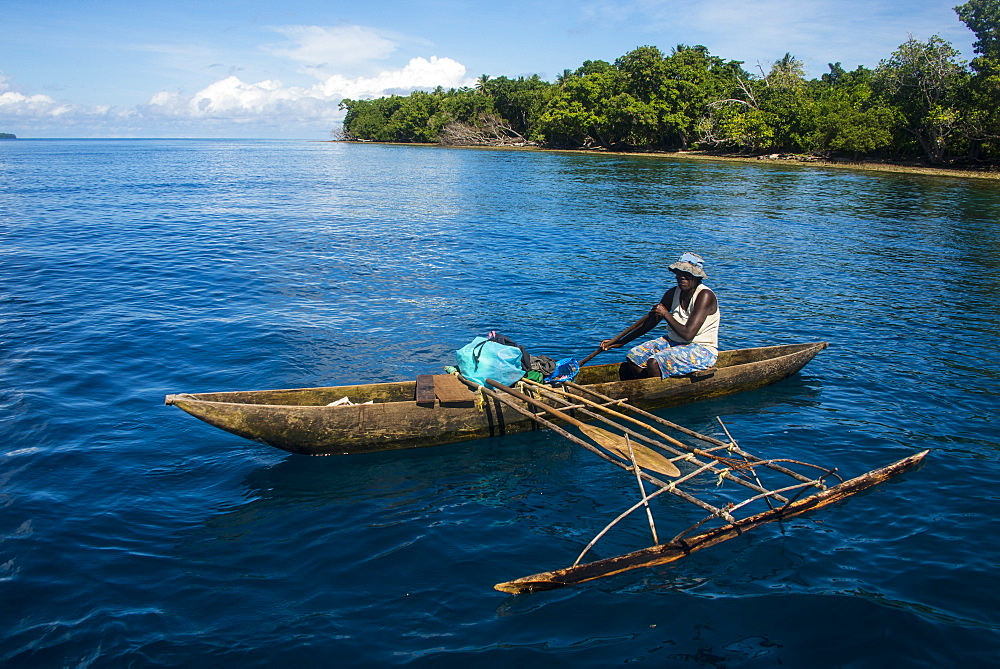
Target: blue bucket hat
{"x":690,"y":263}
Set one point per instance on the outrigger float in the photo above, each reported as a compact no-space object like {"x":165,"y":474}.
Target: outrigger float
{"x":779,"y":483}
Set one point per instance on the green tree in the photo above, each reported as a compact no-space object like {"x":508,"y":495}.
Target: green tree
{"x":645,"y":99}
{"x":465,"y":105}
{"x":694,"y":79}
{"x":738,"y":127}
{"x":606,"y":105}
{"x":411,"y":122}
{"x":578,"y":114}
{"x":982,"y":17}
{"x":367,"y":119}
{"x":849,"y":117}
{"x":742,"y":117}
{"x":636,"y":112}
{"x":789,"y":105}
{"x":925,"y":81}
{"x":787,"y":72}
{"x":392,"y":119}
{"x":612,"y":106}
{"x":520,"y":101}
{"x":593,"y":67}
{"x":643,"y":71}
{"x":922,"y":99}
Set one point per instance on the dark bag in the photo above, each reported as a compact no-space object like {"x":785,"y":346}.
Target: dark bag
{"x":543,"y":364}
{"x":507,"y":341}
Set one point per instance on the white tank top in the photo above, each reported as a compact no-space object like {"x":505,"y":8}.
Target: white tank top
{"x":708,"y":335}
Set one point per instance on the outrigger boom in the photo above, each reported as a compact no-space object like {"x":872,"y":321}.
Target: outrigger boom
{"x":681,"y":547}
{"x":784,"y":499}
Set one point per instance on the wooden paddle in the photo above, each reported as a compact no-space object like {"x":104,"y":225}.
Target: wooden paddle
{"x":613,"y":341}
{"x":729,"y":462}
{"x":567,"y":368}
{"x":646,"y":458}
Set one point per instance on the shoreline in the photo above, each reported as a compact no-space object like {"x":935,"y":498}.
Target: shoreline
{"x":820,"y":162}
{"x":993,"y":175}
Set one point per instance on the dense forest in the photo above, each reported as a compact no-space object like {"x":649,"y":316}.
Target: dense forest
{"x":920,"y":102}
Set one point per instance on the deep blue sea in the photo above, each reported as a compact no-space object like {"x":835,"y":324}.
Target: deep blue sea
{"x":134,"y":535}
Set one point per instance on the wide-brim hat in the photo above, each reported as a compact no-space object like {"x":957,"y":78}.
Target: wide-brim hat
{"x":690,"y":263}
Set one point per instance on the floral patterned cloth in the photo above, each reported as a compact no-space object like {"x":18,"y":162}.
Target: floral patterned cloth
{"x":674,"y":359}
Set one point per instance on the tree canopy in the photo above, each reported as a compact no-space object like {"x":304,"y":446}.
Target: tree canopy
{"x":920,"y":101}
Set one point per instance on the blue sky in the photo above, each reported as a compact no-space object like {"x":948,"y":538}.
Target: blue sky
{"x":278,"y":69}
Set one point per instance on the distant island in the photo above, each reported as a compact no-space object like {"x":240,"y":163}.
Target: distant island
{"x":921,"y":105}
{"x":7,"y":135}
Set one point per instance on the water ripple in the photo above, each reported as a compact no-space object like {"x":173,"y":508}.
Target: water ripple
{"x":134,"y":535}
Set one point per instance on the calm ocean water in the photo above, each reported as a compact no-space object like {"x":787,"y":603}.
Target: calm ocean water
{"x":132,"y":534}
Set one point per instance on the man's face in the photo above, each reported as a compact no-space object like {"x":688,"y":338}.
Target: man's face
{"x":685,"y":281}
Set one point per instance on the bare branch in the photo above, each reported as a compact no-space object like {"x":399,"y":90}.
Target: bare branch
{"x":490,"y":130}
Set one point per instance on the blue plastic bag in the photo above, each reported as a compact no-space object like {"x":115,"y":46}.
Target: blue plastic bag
{"x":483,"y":359}
{"x":566,"y":370}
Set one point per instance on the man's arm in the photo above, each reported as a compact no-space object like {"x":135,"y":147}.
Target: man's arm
{"x":641,"y":326}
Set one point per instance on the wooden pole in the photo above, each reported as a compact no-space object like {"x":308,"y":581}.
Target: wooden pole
{"x":721,"y":513}
{"x":729,"y":462}
{"x":618,"y":336}
{"x":541,"y":421}
{"x":733,"y":442}
{"x":642,"y":492}
{"x":612,"y":442}
{"x":703,"y":437}
{"x":687,"y":447}
{"x":669,"y":487}
{"x":665,"y":553}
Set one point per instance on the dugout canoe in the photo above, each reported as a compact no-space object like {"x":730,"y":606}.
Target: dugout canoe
{"x":300,"y":420}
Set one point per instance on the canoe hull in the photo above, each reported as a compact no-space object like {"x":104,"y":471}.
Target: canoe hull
{"x":299,"y":420}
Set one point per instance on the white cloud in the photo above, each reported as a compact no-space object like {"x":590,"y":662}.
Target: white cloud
{"x":232,"y":97}
{"x":233,"y":103}
{"x":323,"y":50}
{"x":13,"y":103}
{"x":18,"y":105}
{"x":342,"y":63}
{"x":418,"y":73}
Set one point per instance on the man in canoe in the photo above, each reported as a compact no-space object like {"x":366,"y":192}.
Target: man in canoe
{"x":691,"y":312}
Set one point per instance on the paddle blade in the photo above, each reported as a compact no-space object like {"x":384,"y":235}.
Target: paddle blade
{"x":566,"y":370}
{"x":646,"y":458}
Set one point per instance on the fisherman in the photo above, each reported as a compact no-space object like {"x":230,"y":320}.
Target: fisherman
{"x":691,"y":312}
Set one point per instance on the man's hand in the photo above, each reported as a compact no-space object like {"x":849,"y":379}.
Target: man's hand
{"x":661,"y":311}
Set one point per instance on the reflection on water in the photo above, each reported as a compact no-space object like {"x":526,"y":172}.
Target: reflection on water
{"x":132,"y":269}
